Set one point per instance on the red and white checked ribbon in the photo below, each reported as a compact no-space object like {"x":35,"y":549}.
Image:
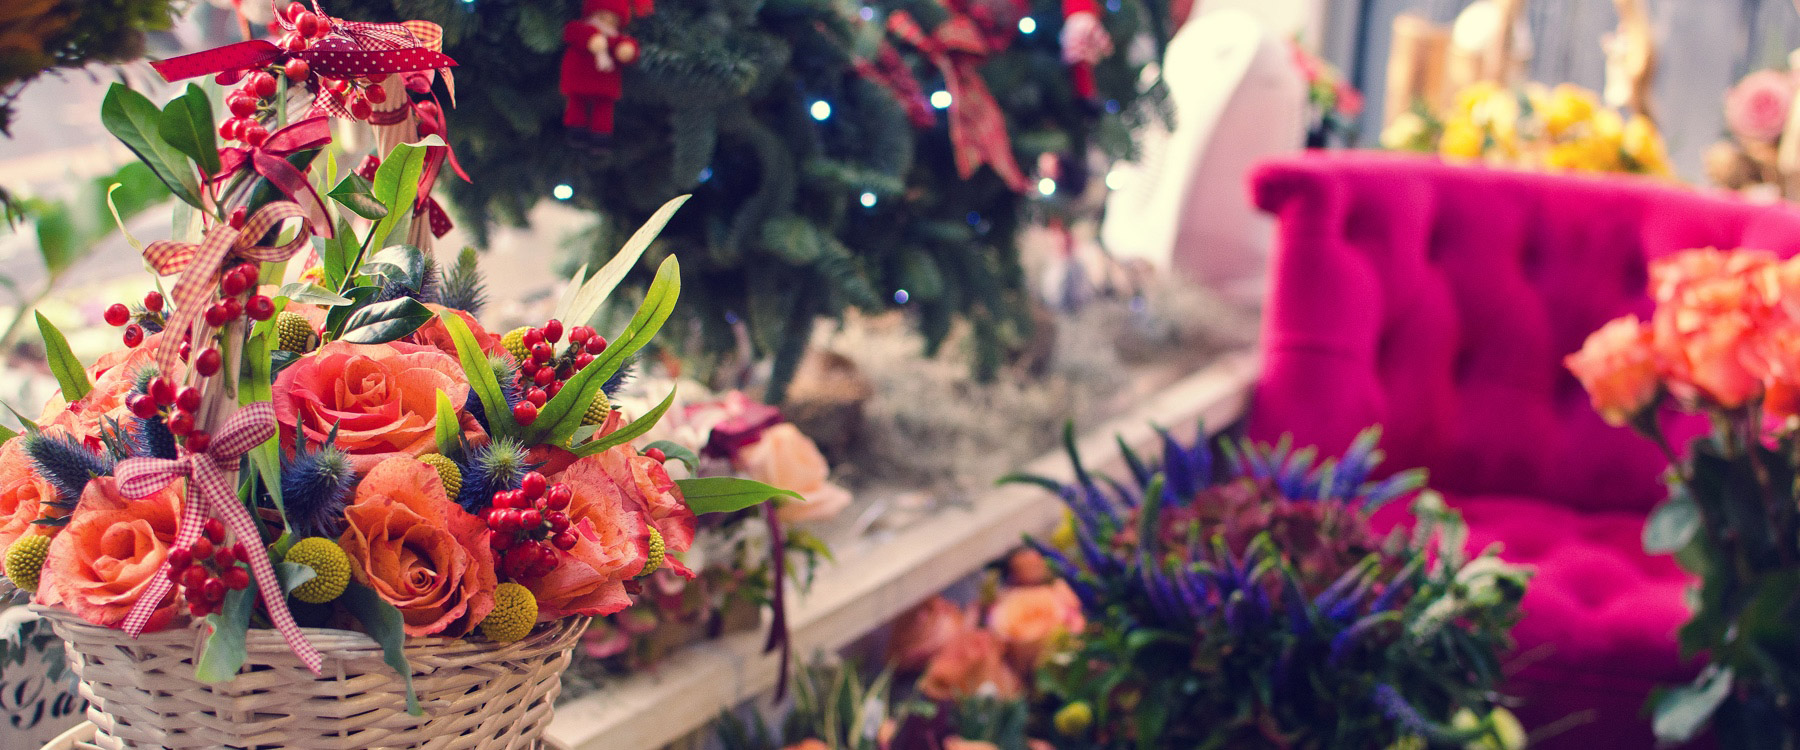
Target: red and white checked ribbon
{"x":210,"y":494}
{"x":200,"y":266}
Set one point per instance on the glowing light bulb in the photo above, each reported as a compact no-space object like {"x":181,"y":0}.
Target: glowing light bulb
{"x":1047,"y":187}
{"x":868,"y":200}
{"x":868,"y":13}
{"x":821,"y":110}
{"x":900,"y":296}
{"x":1027,"y":25}
{"x":563,"y":192}
{"x":1116,"y":179}
{"x":940,"y":99}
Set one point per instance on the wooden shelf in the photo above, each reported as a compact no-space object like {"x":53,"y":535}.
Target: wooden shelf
{"x":873,"y":583}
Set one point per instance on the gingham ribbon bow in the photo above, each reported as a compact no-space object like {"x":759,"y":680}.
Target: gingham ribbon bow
{"x":210,"y":493}
{"x":977,"y":126}
{"x":200,"y":266}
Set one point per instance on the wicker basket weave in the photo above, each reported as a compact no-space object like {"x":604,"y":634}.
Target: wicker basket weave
{"x":476,"y":695}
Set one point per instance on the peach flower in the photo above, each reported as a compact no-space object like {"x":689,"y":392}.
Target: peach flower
{"x":612,"y":543}
{"x":970,"y":666}
{"x":112,"y":377}
{"x":785,"y":457}
{"x":1711,"y":308}
{"x":435,"y":334}
{"x":925,"y":630}
{"x":23,"y":497}
{"x":649,"y":490}
{"x":1026,"y":618}
{"x":418,"y":550}
{"x":954,"y":742}
{"x":381,"y":398}
{"x":1618,"y":368}
{"x":101,"y":563}
{"x":1026,"y":567}
{"x":1756,"y":109}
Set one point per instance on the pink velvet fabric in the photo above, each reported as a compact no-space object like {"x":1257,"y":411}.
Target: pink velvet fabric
{"x":1438,"y":302}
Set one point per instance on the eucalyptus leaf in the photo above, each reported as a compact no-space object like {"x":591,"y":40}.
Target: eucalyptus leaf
{"x":223,"y":653}
{"x":357,"y":193}
{"x":69,"y":373}
{"x":1672,"y":525}
{"x":292,"y":575}
{"x":1682,"y":712}
{"x":727,"y":494}
{"x":136,"y":122}
{"x":382,"y":322}
{"x":187,"y":125}
{"x":312,"y":294}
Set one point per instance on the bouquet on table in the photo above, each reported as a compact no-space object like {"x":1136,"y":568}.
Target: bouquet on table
{"x":1722,"y":341}
{"x":326,"y":481}
{"x":1537,"y":128}
{"x":1759,"y":156}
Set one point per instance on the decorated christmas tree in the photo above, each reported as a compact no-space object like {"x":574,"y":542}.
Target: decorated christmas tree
{"x":840,"y":155}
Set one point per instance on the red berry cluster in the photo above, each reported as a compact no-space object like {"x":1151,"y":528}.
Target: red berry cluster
{"x":236,"y":294}
{"x":546,"y":369}
{"x":119,"y":315}
{"x":176,"y":407}
{"x":208,"y":568}
{"x":527,"y":525}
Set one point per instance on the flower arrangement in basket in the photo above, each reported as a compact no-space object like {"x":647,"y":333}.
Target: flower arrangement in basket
{"x":381,"y":524}
{"x":1722,"y":341}
{"x":1261,"y":610}
{"x":1562,"y":128}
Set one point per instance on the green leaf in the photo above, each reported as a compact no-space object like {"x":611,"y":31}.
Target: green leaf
{"x":69,"y":373}
{"x":7,"y":433}
{"x":357,"y":193}
{"x":385,"y":321}
{"x":57,"y":242}
{"x":397,"y":184}
{"x":223,"y":653}
{"x":585,"y":304}
{"x":727,"y":494}
{"x":1682,"y":712}
{"x":312,"y":294}
{"x":383,"y":623}
{"x":625,"y":434}
{"x":336,"y":317}
{"x":558,"y":419}
{"x":292,"y":575}
{"x":340,"y":252}
{"x":131,"y":118}
{"x":678,"y":452}
{"x":1672,"y":525}
{"x":257,"y":383}
{"x":404,"y":264}
{"x":481,"y":377}
{"x":187,"y":124}
{"x":447,"y":430}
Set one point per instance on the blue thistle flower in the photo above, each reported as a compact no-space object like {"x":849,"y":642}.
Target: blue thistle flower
{"x":315,"y":487}
{"x":506,"y":371}
{"x":1395,"y":707}
{"x":65,"y":463}
{"x":626,"y":372}
{"x":491,"y":468}
{"x":463,"y":288}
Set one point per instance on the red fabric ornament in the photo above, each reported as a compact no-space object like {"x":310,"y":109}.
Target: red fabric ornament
{"x":977,"y":126}
{"x":593,"y":63}
{"x":1084,"y":43}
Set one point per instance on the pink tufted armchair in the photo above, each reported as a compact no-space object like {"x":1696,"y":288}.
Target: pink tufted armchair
{"x":1438,"y":302}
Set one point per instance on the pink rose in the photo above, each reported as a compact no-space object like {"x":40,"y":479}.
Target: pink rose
{"x":1756,"y":109}
{"x":785,"y":457}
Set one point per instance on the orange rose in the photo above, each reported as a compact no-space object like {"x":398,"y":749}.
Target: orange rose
{"x":925,"y":630}
{"x":382,"y":399}
{"x":23,"y":496}
{"x":112,"y":377}
{"x":1027,"y":617}
{"x":435,"y":334}
{"x":612,"y":544}
{"x":785,"y":457}
{"x":418,"y":550}
{"x":971,"y":665}
{"x":649,"y":490}
{"x":101,"y":563}
{"x":1618,"y":368}
{"x":1711,"y":309}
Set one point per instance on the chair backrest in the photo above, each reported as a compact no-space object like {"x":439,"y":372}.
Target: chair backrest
{"x":1438,"y":301}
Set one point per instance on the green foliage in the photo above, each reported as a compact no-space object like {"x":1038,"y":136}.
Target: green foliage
{"x":42,"y":35}
{"x":727,"y":494}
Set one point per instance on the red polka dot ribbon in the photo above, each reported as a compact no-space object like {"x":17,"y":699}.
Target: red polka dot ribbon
{"x":270,"y":161}
{"x":350,"y":49}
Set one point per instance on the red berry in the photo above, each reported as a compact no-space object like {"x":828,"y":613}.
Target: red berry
{"x":260,"y":85}
{"x":237,"y":218}
{"x":296,"y":70}
{"x":503,"y":499}
{"x":240,"y":105}
{"x":181,"y":423}
{"x":213,"y":591}
{"x":153,"y":302}
{"x":188,"y":399}
{"x":134,"y":335}
{"x":184,"y":350}
{"x":532,"y":338}
{"x":580,"y":334}
{"x":198,"y":441}
{"x":163,"y":390}
{"x":231,"y":129}
{"x":564,"y":540}
{"x":553,"y":331}
{"x":500,"y":540}
{"x":117,"y":314}
{"x":428,"y":110}
{"x":239,"y":551}
{"x":359,"y":108}
{"x":208,"y":362}
{"x":558,"y":520}
{"x":141,"y":405}
{"x":554,"y":389}
{"x":180,"y":558}
{"x":596,"y":345}
{"x":233,"y":308}
{"x":537,"y":396}
{"x":375,"y":94}
{"x":525,"y":413}
{"x":202,"y":549}
{"x":217,"y":315}
{"x":307,"y":23}
{"x":530,"y":519}
{"x":249,"y":272}
{"x":533,"y":485}
{"x":544,"y":375}
{"x":236,"y":578}
{"x":559,"y":496}
{"x":224,"y":558}
{"x":542,"y":353}
{"x":546,"y":560}
{"x":496,"y":517}
{"x":193,"y":578}
{"x":427,"y":127}
{"x":293,"y":10}
{"x":582,"y":360}
{"x":293,"y":43}
{"x":656,"y":454}
{"x":254,"y":134}
{"x":260,"y":308}
{"x":215,"y":530}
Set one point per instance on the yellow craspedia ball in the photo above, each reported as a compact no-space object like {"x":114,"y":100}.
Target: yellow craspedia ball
{"x":1074,"y":719}
{"x":659,"y":551}
{"x":514,"y":342}
{"x":1462,"y":139}
{"x":447,"y":472}
{"x":515,"y":611}
{"x":597,"y":411}
{"x":293,"y":333}
{"x":25,"y":560}
{"x":331,"y":569}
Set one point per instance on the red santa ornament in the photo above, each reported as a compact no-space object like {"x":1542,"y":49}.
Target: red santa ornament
{"x":593,"y":63}
{"x":1084,"y":42}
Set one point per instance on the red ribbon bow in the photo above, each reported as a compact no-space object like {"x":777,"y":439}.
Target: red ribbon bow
{"x":270,"y":161}
{"x":977,"y":126}
{"x":351,"y":49}
{"x":200,"y":265}
{"x":209,"y":494}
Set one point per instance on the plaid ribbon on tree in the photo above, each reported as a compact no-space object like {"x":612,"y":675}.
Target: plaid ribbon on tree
{"x":210,"y":494}
{"x":977,"y":126}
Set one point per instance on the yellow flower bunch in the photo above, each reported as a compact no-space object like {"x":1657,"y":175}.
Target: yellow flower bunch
{"x":1561,"y":128}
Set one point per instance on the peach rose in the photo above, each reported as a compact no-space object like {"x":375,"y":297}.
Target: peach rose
{"x":969,"y":666}
{"x":1711,"y":310}
{"x":112,"y":377}
{"x":1026,"y":567}
{"x":382,"y":399}
{"x":1026,"y":618}
{"x":101,"y":563}
{"x":925,"y":630}
{"x":1618,"y":368}
{"x":436,"y":335}
{"x":611,"y":547}
{"x":649,"y":490}
{"x":785,"y":457}
{"x":418,"y":550}
{"x":23,"y":497}
{"x":1756,"y":109}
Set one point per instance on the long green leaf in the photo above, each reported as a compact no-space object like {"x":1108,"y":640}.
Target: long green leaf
{"x":727,"y":494}
{"x":135,"y":121}
{"x":69,"y":373}
{"x":558,"y":419}
{"x":593,"y":294}
{"x":481,"y":378}
{"x":447,"y":429}
{"x":385,"y":321}
{"x":383,"y":623}
{"x":339,"y":253}
{"x":625,"y":434}
{"x":397,"y":184}
{"x":187,"y":124}
{"x":257,"y":383}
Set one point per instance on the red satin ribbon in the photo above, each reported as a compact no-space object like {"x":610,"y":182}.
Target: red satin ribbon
{"x":270,"y":161}
{"x":977,"y":126}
